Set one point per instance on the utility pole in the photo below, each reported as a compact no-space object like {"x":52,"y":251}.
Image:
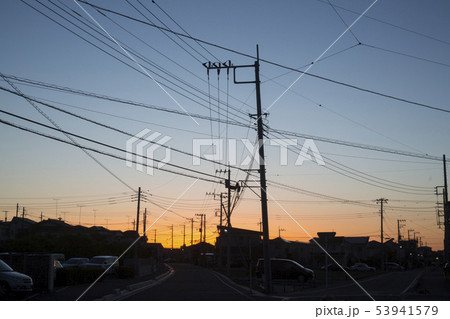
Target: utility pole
{"x":381,"y":201}
{"x":155,"y":235}
{"x":221,"y":197}
{"x":192,"y":230}
{"x":79,"y":216}
{"x":6,"y":215}
{"x":17,"y":210}
{"x":95,"y":215}
{"x":41,"y":216}
{"x":138,"y":208}
{"x":409,"y":230}
{"x":201,"y":225}
{"x":184,"y":234}
{"x":280,"y":230}
{"x":145,"y":221}
{"x":262,"y":176}
{"x":262,"y":166}
{"x":204,"y":227}
{"x":23,"y":216}
{"x":172,"y":236}
{"x":446,"y":216}
{"x":398,"y":229}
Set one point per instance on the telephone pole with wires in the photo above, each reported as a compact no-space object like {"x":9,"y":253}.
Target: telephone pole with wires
{"x":381,"y":201}
{"x":262,"y":167}
{"x":446,"y":215}
{"x":399,"y":238}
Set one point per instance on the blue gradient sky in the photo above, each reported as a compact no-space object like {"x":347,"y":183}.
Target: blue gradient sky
{"x":35,"y":171}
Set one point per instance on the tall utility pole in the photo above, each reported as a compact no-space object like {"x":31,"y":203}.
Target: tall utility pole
{"x":381,"y":201}
{"x":17,"y":210}
{"x":204,"y":227}
{"x":221,"y":197}
{"x":184,"y":234}
{"x":446,"y":216}
{"x":145,"y":221}
{"x":201,"y":229}
{"x":192,"y":230}
{"x":23,"y":216}
{"x":262,"y":176}
{"x":398,"y":229}
{"x":155,"y":235}
{"x":409,"y":237}
{"x":262,"y":166}
{"x":138,"y":208}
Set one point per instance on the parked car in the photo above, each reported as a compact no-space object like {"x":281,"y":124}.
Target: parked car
{"x":335,"y":267}
{"x":285,"y":269}
{"x":75,"y":262}
{"x":103,"y":262}
{"x":393,"y":266}
{"x":362,"y":267}
{"x":12,"y":281}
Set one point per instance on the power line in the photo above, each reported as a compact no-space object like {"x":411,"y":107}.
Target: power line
{"x":99,"y":151}
{"x":387,"y":23}
{"x":56,"y":126}
{"x":278,"y":64}
{"x":355,"y":145}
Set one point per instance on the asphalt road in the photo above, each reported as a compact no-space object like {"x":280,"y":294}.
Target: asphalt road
{"x":192,"y":283}
{"x":384,"y":286}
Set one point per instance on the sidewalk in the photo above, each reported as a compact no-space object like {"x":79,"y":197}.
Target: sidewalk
{"x":431,"y":286}
{"x":108,"y":286}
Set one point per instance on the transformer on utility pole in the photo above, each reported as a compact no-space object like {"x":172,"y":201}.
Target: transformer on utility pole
{"x":262,"y":167}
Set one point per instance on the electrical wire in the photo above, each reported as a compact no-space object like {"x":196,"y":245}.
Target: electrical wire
{"x":392,"y":97}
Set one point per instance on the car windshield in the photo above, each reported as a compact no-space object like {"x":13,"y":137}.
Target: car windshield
{"x":4,"y":266}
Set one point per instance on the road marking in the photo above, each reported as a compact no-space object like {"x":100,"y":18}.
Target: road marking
{"x":151,"y":284}
{"x":238,"y":291}
{"x":413,"y":283}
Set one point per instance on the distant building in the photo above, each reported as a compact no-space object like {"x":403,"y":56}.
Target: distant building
{"x":344,"y":250}
{"x":243,"y":244}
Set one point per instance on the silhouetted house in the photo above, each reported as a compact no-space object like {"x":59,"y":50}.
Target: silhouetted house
{"x":51,"y":227}
{"x":4,"y":231}
{"x":295,"y":250}
{"x":242,"y":243}
{"x":202,"y":254}
{"x":344,"y":250}
{"x":155,"y":250}
{"x":19,"y":225}
{"x":425,"y":255}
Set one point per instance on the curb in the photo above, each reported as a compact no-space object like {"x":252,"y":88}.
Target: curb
{"x":243,"y":288}
{"x":133,"y":289}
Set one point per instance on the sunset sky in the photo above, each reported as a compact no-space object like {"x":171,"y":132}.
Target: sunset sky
{"x":375,"y":103}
